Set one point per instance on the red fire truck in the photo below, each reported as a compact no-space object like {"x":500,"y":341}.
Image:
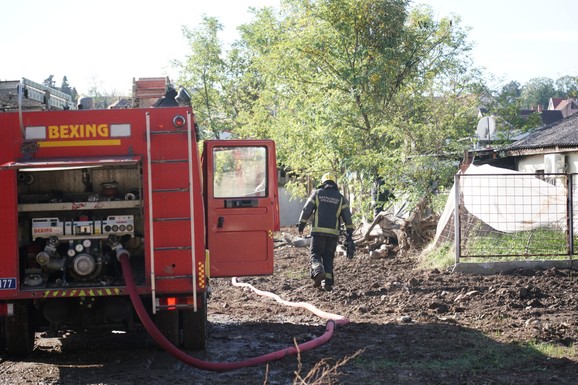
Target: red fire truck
{"x":81,"y":187}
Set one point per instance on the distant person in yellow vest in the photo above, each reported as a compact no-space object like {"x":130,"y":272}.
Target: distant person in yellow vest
{"x":326,"y":208}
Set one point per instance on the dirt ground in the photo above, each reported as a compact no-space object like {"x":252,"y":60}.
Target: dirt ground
{"x":407,"y":326}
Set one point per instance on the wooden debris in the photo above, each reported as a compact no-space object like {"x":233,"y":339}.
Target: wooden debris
{"x":389,"y":233}
{"x":296,"y":241}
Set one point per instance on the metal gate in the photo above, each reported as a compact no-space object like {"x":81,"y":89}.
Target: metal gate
{"x":513,"y":216}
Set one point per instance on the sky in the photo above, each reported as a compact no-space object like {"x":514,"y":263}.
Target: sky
{"x":519,"y":39}
{"x":106,"y":43}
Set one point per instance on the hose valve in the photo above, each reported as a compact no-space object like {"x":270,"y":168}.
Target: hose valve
{"x":48,"y":257}
{"x":116,"y":246}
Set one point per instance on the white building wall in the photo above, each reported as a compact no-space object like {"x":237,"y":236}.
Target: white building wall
{"x":533,"y":163}
{"x":572,"y":162}
{"x":289,"y":208}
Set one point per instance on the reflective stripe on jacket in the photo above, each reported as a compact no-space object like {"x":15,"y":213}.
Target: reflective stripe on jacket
{"x":325,"y":207}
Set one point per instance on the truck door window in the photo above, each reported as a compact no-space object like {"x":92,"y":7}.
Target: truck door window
{"x":239,"y":172}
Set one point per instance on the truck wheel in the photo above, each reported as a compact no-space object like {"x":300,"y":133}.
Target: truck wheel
{"x":18,"y":331}
{"x":195,"y":326}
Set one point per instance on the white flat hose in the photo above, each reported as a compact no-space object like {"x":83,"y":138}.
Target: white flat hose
{"x":338,"y":319}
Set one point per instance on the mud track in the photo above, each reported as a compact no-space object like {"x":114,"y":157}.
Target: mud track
{"x":408,"y":326}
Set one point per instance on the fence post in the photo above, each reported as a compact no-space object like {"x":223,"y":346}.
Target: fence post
{"x":570,"y":215}
{"x":457,"y":232}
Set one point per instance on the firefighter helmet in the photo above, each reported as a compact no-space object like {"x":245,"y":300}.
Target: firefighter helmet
{"x":328,"y":177}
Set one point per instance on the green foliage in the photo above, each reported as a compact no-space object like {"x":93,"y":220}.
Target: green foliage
{"x":360,"y":88}
{"x":204,"y":73}
{"x":510,"y":122}
{"x":538,"y":91}
{"x":65,"y":87}
{"x":567,"y":87}
{"x":554,"y":350}
{"x":506,"y":107}
{"x":441,"y":257}
{"x":510,"y":93}
{"x":543,"y":242}
{"x":364,"y":88}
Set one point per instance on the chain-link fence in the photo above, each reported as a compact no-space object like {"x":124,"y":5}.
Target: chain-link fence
{"x":510,"y":216}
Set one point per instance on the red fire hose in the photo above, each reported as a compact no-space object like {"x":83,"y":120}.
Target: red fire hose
{"x":148,"y":323}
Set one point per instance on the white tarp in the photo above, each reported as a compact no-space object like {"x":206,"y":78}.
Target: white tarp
{"x":446,"y":215}
{"x":513,"y":202}
{"x":508,"y":203}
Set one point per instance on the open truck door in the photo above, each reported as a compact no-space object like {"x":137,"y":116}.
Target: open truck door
{"x":242,"y":206}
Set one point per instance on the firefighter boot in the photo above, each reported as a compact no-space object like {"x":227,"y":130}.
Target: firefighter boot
{"x":327,"y":282}
{"x":327,"y":286}
{"x":317,"y":273}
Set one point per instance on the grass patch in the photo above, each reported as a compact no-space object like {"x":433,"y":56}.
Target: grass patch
{"x":466,"y":351}
{"x":441,"y":257}
{"x":493,"y":246}
{"x":298,"y":274}
{"x":554,"y":350}
{"x":545,"y":243}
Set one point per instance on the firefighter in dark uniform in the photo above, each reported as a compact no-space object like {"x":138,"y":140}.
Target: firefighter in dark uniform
{"x":326,"y":208}
{"x":379,"y":196}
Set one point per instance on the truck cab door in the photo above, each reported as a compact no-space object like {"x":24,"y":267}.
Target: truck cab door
{"x":241,"y":205}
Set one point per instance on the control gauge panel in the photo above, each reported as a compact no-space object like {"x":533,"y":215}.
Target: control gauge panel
{"x":83,"y":229}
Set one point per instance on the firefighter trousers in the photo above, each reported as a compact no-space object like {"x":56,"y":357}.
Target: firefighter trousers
{"x":322,"y":255}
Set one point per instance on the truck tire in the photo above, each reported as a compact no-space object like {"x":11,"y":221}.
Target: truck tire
{"x":18,"y":331}
{"x":194,"y":325}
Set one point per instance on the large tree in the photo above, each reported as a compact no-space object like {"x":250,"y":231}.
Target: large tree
{"x":505,"y":106}
{"x":363,"y":88}
{"x":538,"y":91}
{"x":358,"y":87}
{"x":204,"y":73}
{"x":567,"y":86}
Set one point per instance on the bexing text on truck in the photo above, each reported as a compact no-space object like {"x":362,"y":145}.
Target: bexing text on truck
{"x":88,"y":192}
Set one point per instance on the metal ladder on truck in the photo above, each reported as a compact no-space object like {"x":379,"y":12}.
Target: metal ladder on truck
{"x":170,"y":187}
{"x":28,"y":95}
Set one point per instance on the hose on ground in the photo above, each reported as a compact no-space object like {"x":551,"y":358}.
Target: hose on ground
{"x":218,"y":366}
{"x":338,"y":319}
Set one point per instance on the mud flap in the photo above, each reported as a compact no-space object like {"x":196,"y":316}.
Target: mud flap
{"x":194,"y":325}
{"x":168,"y":323}
{"x":18,"y":333}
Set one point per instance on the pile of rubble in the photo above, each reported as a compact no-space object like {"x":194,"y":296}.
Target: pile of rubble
{"x":386,"y":235}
